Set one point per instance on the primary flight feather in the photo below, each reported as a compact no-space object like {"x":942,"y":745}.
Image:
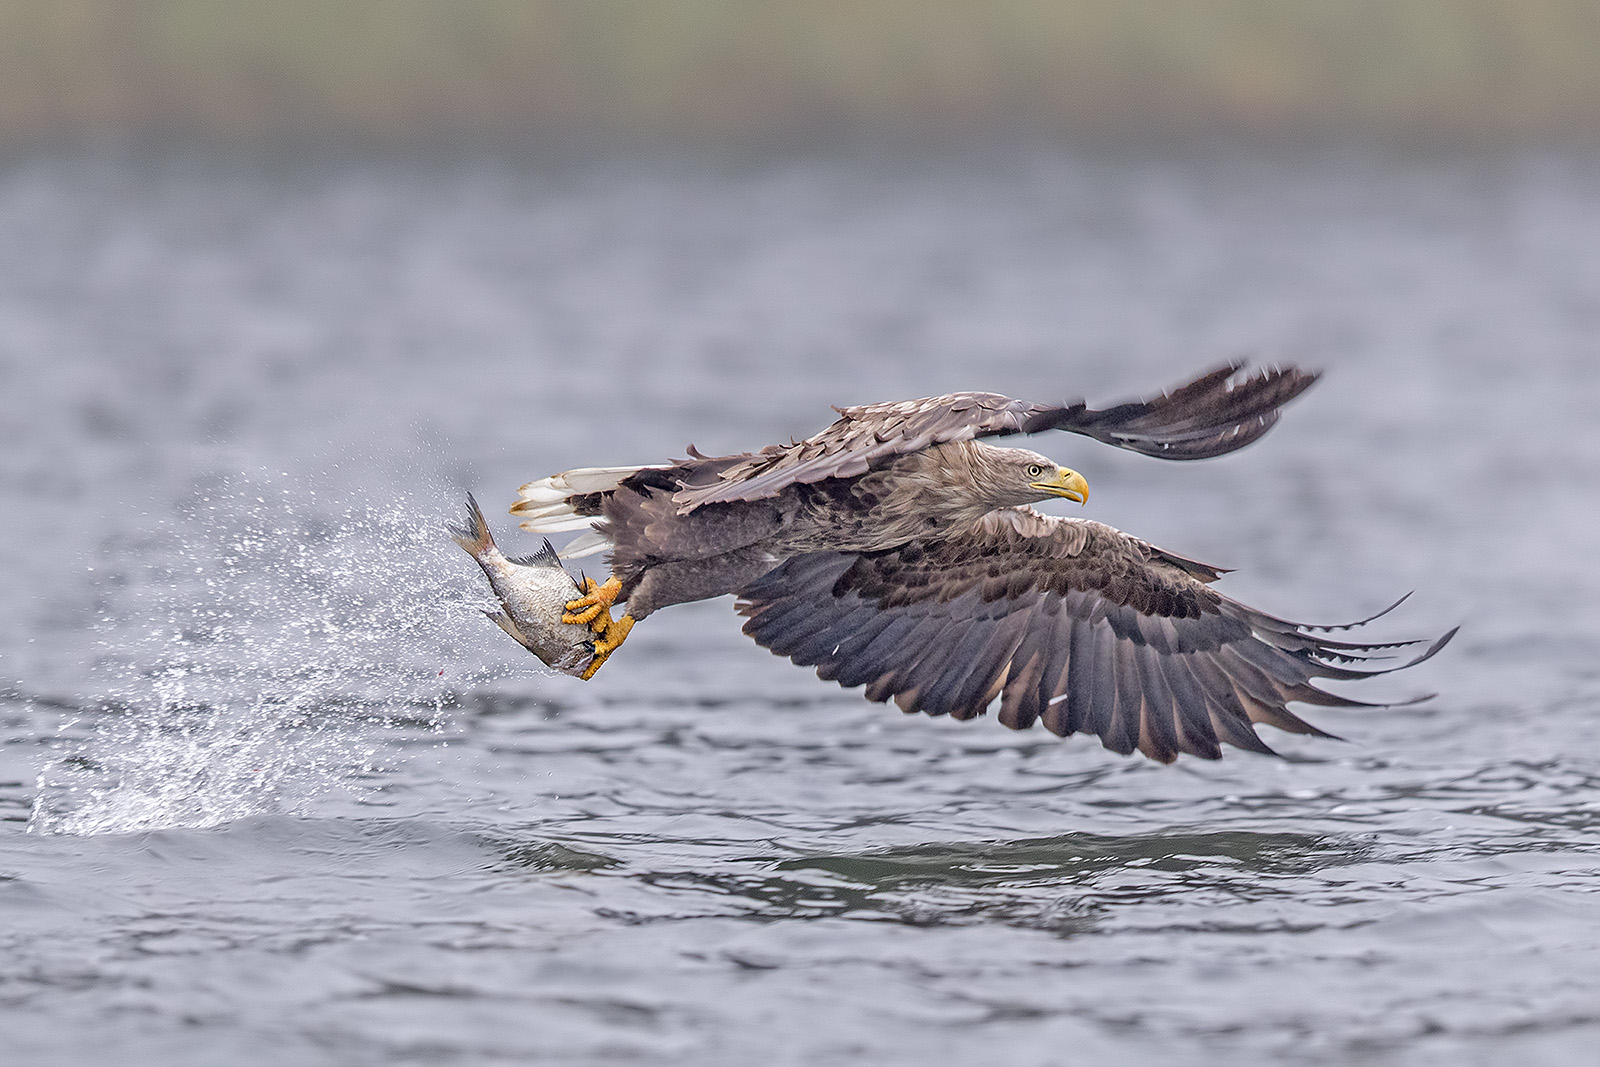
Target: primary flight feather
{"x":896,"y":550}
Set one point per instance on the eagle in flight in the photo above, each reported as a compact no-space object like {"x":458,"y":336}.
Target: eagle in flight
{"x":897,"y":550}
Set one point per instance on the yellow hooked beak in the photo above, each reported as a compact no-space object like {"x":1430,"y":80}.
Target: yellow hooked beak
{"x":1067,"y":483}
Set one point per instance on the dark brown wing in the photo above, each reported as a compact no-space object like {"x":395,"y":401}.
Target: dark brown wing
{"x":1220,"y":411}
{"x":1216,"y":413}
{"x":1066,"y":621}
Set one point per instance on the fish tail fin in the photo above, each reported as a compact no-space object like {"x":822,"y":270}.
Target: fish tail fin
{"x":474,"y":535}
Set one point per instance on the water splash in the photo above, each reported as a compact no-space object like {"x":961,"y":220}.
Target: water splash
{"x":256,"y":651}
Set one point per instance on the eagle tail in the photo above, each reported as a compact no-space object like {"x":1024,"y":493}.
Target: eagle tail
{"x":579,"y":482}
{"x":570,"y":502}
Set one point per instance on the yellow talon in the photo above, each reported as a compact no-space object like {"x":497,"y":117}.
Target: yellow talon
{"x":593,"y":609}
{"x":612,"y":634}
{"x":594,"y":604}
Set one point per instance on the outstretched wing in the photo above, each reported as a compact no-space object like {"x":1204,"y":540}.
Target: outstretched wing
{"x":1216,"y":413}
{"x":1068,"y":622}
{"x":1219,"y":411}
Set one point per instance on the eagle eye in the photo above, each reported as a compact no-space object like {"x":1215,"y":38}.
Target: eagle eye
{"x":1035,"y":471}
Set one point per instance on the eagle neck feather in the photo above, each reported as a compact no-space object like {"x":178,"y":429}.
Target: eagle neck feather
{"x":938,"y":492}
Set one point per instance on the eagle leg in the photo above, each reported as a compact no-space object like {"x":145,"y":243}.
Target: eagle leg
{"x":611,"y":636}
{"x":593,"y":604}
{"x":594,"y":610}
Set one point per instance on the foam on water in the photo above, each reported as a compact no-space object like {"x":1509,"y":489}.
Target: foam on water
{"x":242,"y":665}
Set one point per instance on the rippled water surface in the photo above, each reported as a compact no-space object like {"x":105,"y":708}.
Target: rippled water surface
{"x":271,"y":790}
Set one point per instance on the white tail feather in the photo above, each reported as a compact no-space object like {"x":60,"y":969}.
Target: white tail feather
{"x":586,"y":545}
{"x":581,"y":480}
{"x":542,"y":493}
{"x":542,"y":504}
{"x":543,"y":511}
{"x":560,"y":523}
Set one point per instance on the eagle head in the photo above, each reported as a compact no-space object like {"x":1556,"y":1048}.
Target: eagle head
{"x":1018,"y":476}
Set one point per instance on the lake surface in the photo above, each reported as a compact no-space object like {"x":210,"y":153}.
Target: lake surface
{"x":272,"y":791}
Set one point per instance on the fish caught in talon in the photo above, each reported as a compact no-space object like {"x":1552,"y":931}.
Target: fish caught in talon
{"x":596,"y":601}
{"x":533,"y":593}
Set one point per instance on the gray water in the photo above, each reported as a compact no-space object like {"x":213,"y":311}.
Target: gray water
{"x":271,"y":790}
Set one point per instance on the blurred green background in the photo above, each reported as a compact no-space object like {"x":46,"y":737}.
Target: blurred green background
{"x":397,"y":69}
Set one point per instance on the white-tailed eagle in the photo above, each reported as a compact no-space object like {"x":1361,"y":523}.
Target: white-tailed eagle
{"x":896,"y":550}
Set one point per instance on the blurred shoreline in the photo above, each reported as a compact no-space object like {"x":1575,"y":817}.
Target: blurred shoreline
{"x":388,"y":71}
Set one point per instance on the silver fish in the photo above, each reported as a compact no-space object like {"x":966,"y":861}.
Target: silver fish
{"x":534,"y":592}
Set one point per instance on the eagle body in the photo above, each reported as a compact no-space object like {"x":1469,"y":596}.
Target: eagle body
{"x":897,"y":551}
{"x":664,"y":554}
